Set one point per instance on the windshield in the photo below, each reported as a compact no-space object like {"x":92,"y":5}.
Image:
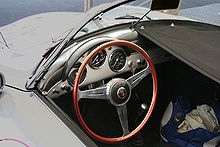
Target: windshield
{"x":205,"y":11}
{"x":122,"y":14}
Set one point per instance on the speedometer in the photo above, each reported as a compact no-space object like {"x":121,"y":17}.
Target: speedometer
{"x":117,"y":60}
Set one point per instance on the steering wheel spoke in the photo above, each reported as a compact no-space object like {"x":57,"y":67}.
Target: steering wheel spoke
{"x":138,"y":77}
{"x":97,"y":93}
{"x":123,"y":117}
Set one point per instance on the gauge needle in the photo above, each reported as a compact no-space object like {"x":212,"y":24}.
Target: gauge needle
{"x":116,"y":61}
{"x":94,"y":60}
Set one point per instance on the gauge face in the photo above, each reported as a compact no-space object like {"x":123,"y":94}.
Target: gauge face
{"x":72,"y":74}
{"x":117,"y":60}
{"x":98,"y":60}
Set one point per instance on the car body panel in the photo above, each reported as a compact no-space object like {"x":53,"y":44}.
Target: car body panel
{"x":25,"y":117}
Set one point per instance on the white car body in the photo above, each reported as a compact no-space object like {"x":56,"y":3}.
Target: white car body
{"x":23,"y":115}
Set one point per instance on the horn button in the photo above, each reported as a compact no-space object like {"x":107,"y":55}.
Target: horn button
{"x":119,"y":91}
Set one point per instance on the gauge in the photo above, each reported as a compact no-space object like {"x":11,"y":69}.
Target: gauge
{"x":117,"y":60}
{"x":72,"y":74}
{"x":98,"y":60}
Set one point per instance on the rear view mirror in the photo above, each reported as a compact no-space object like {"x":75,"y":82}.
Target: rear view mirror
{"x":164,"y":4}
{"x":2,"y":81}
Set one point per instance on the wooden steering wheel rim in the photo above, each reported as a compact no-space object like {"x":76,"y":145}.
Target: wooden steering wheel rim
{"x":77,"y":82}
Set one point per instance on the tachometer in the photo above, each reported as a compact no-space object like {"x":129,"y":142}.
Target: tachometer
{"x":72,"y":74}
{"x":117,"y":60}
{"x":98,"y":60}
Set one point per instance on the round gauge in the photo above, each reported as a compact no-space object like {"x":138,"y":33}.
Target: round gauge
{"x":98,"y":60}
{"x":117,"y":60}
{"x":72,"y":74}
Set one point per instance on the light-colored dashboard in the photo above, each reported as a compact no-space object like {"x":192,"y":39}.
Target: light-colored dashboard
{"x":105,"y":70}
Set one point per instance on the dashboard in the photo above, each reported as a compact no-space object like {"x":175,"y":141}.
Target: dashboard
{"x":107,"y":63}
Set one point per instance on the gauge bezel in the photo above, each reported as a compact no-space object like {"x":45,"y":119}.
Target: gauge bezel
{"x":110,"y":57}
{"x":72,"y":70}
{"x":101,"y":64}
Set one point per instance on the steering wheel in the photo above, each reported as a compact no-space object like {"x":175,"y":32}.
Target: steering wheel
{"x":117,"y":91}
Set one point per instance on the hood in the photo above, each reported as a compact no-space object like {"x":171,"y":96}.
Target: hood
{"x":195,"y":43}
{"x":28,"y":39}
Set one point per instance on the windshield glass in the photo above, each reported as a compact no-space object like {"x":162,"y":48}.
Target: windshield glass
{"x":122,"y":14}
{"x":205,"y":11}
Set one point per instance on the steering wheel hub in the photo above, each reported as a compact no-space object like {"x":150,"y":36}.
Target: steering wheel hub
{"x":119,"y":91}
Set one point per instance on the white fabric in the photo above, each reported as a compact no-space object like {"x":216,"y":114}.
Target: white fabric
{"x":202,"y":117}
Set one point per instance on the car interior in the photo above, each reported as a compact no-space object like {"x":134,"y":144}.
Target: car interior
{"x":100,"y":67}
